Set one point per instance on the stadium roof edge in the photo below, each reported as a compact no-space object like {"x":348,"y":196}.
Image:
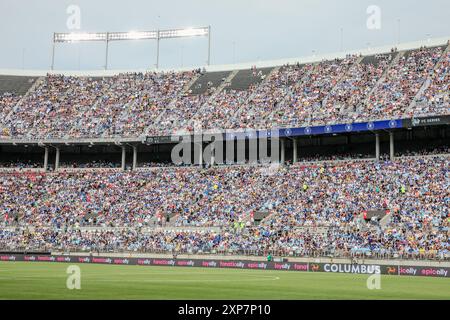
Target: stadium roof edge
{"x":240,"y":66}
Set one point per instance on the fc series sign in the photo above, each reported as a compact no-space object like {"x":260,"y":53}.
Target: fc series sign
{"x":243,"y":264}
{"x":427,"y":121}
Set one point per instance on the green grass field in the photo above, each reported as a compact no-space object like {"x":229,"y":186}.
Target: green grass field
{"x":41,"y":280}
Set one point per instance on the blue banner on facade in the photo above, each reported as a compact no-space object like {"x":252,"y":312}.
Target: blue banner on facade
{"x":317,"y":130}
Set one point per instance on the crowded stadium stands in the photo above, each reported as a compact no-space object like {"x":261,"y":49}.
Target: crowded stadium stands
{"x":314,"y":207}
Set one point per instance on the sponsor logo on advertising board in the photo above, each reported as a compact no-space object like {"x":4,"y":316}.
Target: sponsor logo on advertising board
{"x":121,"y":261}
{"x":391,"y":270}
{"x":436,"y":272}
{"x":255,"y":265}
{"x":7,"y":258}
{"x":101,"y":260}
{"x":163,"y":262}
{"x":282,"y":266}
{"x":351,"y":268}
{"x":315,"y":267}
{"x":407,"y":271}
{"x":63,"y":259}
{"x":46,"y":258}
{"x":185,"y":263}
{"x":231,"y":264}
{"x":300,"y":266}
{"x":212,"y":264}
{"x":144,"y":261}
{"x":424,"y":271}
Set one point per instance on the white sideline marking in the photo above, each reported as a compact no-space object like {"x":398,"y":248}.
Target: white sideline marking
{"x":37,"y":277}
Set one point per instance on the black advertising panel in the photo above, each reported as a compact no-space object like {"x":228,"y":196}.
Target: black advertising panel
{"x":427,"y":121}
{"x":355,"y":268}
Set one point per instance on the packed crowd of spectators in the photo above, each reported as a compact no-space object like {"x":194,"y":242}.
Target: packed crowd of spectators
{"x":306,"y":103}
{"x":180,"y":116}
{"x":54,"y":210}
{"x":48,"y":210}
{"x":445,"y":149}
{"x":18,"y":164}
{"x":134,"y":104}
{"x":437,"y":95}
{"x":269,"y":102}
{"x":222,"y":108}
{"x":89,"y":164}
{"x":347,"y":100}
{"x":333,"y":157}
{"x":123,"y":105}
{"x":402,"y":82}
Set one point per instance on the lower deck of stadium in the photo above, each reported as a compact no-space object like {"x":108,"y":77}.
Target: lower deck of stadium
{"x":386,"y":208}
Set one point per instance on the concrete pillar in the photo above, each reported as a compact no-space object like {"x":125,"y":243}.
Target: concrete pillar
{"x":134,"y":157}
{"x":391,"y":145}
{"x":57,"y":159}
{"x":123,"y":157}
{"x":45,"y":158}
{"x":377,"y":146}
{"x":213,"y":155}
{"x":282,"y":151}
{"x":294,"y":150}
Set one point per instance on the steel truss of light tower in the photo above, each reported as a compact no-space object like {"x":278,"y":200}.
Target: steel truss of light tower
{"x":131,"y":35}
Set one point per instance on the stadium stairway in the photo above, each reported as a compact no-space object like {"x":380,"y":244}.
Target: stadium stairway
{"x":246,"y":104}
{"x":186,"y":89}
{"x":374,"y":60}
{"x":301,"y":82}
{"x":80,"y":120}
{"x":295,"y":85}
{"x":370,"y":60}
{"x":215,"y":79}
{"x":244,"y":79}
{"x":252,"y":108}
{"x":226,"y":83}
{"x":385,"y":220}
{"x":267,"y":217}
{"x":170,"y":219}
{"x":339,"y":80}
{"x":395,"y":60}
{"x":207,"y":104}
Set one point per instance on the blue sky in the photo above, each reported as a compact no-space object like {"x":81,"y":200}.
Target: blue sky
{"x":242,"y":30}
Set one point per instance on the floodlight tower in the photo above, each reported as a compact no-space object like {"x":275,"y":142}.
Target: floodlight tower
{"x":132,"y":35}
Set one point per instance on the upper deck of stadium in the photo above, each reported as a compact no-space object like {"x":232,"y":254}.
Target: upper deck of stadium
{"x":343,"y":88}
